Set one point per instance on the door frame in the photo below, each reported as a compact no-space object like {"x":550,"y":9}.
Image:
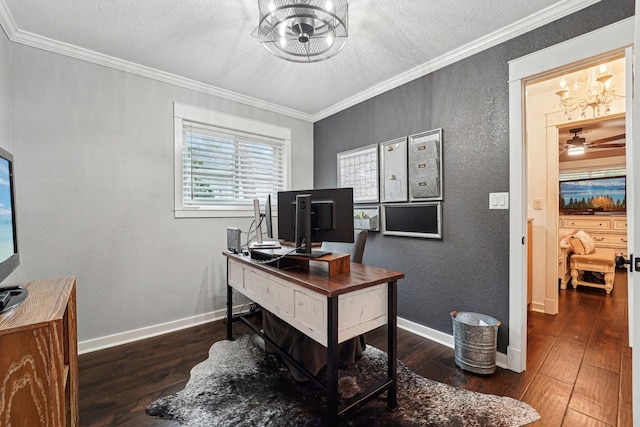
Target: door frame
{"x":572,"y":53}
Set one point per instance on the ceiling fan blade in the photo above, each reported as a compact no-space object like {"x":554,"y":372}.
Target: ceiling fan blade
{"x":608,"y":139}
{"x":618,"y":145}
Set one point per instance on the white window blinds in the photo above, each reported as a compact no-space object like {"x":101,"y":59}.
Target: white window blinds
{"x":229,"y":168}
{"x":585,"y":174}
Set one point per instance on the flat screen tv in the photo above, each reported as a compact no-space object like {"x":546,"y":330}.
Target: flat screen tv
{"x":9,"y":257}
{"x":593,"y":195}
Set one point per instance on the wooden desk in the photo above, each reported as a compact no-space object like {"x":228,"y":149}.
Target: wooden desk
{"x":329,"y":310}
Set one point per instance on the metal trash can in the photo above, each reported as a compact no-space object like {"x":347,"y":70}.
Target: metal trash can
{"x":476,"y":337}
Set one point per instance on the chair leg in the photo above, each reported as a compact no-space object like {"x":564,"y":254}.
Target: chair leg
{"x":574,"y":278}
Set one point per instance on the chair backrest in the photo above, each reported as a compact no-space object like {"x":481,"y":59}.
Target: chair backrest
{"x":355,"y":249}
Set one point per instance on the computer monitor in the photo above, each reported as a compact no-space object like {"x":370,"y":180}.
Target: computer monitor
{"x":258,"y":220}
{"x":259,"y":217}
{"x":268,"y":218}
{"x":313,"y":216}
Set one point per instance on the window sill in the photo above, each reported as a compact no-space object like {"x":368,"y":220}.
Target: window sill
{"x":212,"y":213}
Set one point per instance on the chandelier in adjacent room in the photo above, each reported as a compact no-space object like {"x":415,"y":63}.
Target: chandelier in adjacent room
{"x":303,"y":30}
{"x":591,"y":88}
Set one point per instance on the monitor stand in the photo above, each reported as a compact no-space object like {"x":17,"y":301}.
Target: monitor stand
{"x":313,"y":254}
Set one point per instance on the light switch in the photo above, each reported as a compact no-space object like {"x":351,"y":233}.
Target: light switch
{"x":537,"y":204}
{"x":498,"y":200}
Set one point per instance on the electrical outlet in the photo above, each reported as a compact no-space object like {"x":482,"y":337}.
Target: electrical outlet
{"x":537,"y":204}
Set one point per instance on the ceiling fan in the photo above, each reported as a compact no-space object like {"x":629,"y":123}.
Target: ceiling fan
{"x":577,"y":142}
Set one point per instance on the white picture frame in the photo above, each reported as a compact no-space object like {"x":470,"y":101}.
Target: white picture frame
{"x":393,"y":171}
{"x":358,"y":168}
{"x":425,"y":166}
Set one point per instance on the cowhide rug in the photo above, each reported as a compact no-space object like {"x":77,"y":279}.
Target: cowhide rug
{"x":242,"y":385}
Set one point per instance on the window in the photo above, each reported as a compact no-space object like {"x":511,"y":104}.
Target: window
{"x":585,"y":174}
{"x":223,"y":162}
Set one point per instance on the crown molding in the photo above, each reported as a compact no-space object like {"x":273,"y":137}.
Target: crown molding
{"x":27,"y":38}
{"x":545,"y":16}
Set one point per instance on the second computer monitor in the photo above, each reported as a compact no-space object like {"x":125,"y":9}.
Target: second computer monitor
{"x":330,"y":214}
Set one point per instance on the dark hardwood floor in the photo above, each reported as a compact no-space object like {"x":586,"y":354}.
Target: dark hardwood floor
{"x":578,"y":366}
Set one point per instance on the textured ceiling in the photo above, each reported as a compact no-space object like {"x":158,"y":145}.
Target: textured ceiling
{"x":209,"y":41}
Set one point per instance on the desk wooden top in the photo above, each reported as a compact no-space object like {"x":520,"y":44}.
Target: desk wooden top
{"x":316,"y":279}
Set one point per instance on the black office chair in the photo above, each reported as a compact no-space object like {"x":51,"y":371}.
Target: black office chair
{"x":355,"y":249}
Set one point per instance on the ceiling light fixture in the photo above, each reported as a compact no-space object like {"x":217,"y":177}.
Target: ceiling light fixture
{"x":303,"y":30}
{"x":591,"y":88}
{"x":575,"y":151}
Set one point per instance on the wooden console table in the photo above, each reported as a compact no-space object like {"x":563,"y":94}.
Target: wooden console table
{"x":328,"y":308}
{"x":39,"y":357}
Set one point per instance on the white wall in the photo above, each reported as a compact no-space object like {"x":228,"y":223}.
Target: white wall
{"x":537,"y":108}
{"x":5,"y":100}
{"x":94,"y":171}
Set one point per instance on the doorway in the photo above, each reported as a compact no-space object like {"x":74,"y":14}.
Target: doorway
{"x":570,"y":54}
{"x":577,"y":145}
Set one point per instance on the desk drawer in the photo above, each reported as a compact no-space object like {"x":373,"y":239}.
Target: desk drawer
{"x":268,"y":292}
{"x":362,"y":311}
{"x":235,"y":275}
{"x":609,"y":239}
{"x":619,"y":224}
{"x":310,"y":312}
{"x":588,"y":223}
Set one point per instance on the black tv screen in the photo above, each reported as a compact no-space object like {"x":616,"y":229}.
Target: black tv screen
{"x":606,"y":194}
{"x":9,"y":257}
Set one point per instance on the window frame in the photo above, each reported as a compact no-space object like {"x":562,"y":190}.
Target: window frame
{"x":231,"y":124}
{"x":589,"y":172}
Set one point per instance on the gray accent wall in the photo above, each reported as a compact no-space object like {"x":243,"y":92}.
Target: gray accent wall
{"x":94,"y":152}
{"x":468,"y":270}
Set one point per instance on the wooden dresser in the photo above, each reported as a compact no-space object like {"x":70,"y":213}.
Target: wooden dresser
{"x":607,"y":231}
{"x":39,"y":357}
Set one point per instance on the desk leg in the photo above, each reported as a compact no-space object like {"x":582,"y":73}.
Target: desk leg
{"x":229,"y":313}
{"x":332,"y":361}
{"x":392,"y":323}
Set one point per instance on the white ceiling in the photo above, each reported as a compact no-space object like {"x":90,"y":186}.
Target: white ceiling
{"x":206,"y":44}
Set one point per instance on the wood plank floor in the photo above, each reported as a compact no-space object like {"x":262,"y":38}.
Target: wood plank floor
{"x":579,"y":366}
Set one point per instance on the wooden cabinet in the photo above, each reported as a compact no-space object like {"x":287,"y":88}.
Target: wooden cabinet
{"x":606,"y":231}
{"x":39,"y":357}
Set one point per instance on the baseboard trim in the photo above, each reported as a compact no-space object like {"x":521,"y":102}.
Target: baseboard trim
{"x":426,"y":332}
{"x":114,"y":340}
{"x":537,"y":307}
